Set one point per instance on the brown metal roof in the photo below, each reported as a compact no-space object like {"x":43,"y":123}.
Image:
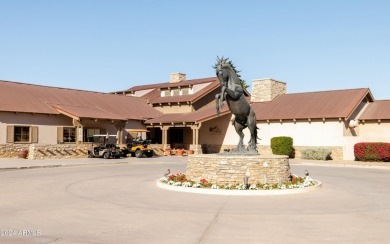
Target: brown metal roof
{"x":21,"y":97}
{"x":324,"y":104}
{"x":171,"y":85}
{"x":380,"y":109}
{"x":186,"y":98}
{"x":193,"y":117}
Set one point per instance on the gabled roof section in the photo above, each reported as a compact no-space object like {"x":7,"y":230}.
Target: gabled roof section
{"x":380,"y":109}
{"x":194,"y":117}
{"x":171,"y":85}
{"x":154,"y":96}
{"x":28,"y":98}
{"x":312,"y":105}
{"x":187,"y":98}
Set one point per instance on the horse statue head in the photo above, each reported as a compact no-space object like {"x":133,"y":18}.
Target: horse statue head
{"x":226,"y":71}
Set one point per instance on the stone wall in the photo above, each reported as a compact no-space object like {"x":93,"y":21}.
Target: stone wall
{"x":264,"y":90}
{"x":58,"y":151}
{"x":11,"y":150}
{"x":337,"y":152}
{"x":230,"y":168}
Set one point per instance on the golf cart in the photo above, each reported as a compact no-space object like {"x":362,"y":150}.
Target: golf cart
{"x":104,"y":146}
{"x":138,"y":147}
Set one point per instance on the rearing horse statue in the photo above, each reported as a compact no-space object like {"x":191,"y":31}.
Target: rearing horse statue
{"x":233,"y":93}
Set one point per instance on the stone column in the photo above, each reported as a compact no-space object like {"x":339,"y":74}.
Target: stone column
{"x":164,"y":130}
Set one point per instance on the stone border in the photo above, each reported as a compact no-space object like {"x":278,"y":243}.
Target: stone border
{"x":238,"y":192}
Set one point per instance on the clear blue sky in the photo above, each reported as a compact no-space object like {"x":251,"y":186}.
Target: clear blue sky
{"x":114,"y":45}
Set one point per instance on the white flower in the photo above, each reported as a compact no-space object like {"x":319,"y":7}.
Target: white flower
{"x":187,"y":184}
{"x":214,"y":186}
{"x":164,"y":179}
{"x":283,"y":186}
{"x":253,"y":187}
{"x":196,"y":185}
{"x":177,"y":183}
{"x":171,"y":182}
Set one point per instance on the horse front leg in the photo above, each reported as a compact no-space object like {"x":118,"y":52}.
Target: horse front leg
{"x":223,"y":95}
{"x":217,"y":98}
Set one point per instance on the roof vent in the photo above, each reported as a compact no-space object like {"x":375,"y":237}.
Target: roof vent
{"x":177,"y":77}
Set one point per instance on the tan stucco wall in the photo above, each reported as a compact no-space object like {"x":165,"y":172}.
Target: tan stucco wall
{"x":47,"y":124}
{"x":370,"y":131}
{"x":315,"y":133}
{"x":199,"y":87}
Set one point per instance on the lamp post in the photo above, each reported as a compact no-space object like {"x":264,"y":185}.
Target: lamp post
{"x":246,"y":178}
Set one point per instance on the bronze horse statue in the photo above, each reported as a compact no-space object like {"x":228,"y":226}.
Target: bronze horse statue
{"x":233,"y":93}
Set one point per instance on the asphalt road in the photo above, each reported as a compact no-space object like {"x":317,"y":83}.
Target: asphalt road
{"x":120,"y":203}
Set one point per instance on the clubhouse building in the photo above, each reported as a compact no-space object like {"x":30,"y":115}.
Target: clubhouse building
{"x":60,"y":123}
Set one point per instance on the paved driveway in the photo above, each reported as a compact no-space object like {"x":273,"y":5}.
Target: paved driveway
{"x":120,"y":203}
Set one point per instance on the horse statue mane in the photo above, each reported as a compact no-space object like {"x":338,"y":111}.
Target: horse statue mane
{"x":233,"y":93}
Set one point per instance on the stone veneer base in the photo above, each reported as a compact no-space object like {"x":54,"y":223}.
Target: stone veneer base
{"x":231,"y":168}
{"x":208,"y":191}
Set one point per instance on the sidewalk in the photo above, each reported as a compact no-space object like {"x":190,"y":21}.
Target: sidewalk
{"x":15,"y":163}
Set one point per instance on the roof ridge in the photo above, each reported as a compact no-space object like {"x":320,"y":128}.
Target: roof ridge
{"x":350,"y":89}
{"x":158,"y":85}
{"x":64,"y":88}
{"x":55,"y":87}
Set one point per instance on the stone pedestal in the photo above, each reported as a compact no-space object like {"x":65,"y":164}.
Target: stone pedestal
{"x":230,"y":168}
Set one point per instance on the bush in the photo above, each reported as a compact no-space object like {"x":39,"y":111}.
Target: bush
{"x":282,"y":145}
{"x":316,"y":153}
{"x":372,"y":151}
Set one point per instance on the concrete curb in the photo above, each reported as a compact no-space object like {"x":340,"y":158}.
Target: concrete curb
{"x":238,"y":192}
{"x":366,"y":166}
{"x":58,"y":165}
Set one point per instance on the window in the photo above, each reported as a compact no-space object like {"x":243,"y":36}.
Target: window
{"x":89,"y":133}
{"x":22,"y":134}
{"x":176,"y":92}
{"x":69,"y":134}
{"x":167,"y":93}
{"x":185,"y":91}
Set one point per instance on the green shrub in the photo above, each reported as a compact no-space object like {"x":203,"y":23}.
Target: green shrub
{"x":316,"y":153}
{"x":282,"y":145}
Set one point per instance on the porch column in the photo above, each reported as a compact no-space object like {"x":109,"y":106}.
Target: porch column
{"x":119,"y":131}
{"x":164,"y":130}
{"x":195,"y":138}
{"x":79,"y":131}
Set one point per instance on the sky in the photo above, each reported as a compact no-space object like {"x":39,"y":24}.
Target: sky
{"x":113,"y":45}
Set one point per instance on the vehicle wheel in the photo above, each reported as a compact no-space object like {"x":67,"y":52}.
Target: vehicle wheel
{"x":117,"y":156}
{"x":106,"y":155}
{"x":149,"y":154}
{"x":138,"y":153}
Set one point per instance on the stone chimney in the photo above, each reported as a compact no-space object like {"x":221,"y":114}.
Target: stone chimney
{"x":264,"y":90}
{"x":177,"y":77}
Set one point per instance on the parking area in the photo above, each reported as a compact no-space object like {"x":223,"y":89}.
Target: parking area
{"x":117,"y":201}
